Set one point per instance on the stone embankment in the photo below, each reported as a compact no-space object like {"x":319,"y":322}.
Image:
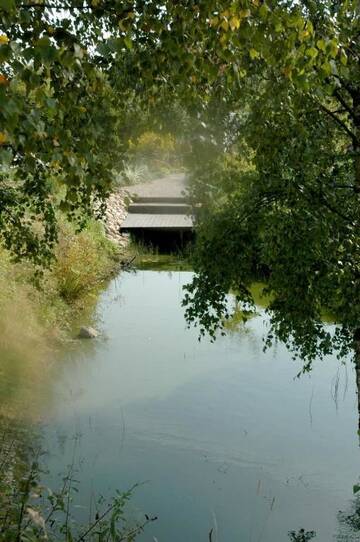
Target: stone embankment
{"x":116,"y":212}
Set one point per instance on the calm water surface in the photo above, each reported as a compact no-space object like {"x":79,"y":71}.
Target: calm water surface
{"x":222,"y":434}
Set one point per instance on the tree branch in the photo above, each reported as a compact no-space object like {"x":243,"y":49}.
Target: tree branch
{"x":345,"y":104}
{"x":340,"y":123}
{"x":328,"y":205}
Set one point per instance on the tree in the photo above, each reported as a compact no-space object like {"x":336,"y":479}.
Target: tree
{"x":294,"y":221}
{"x":283,"y":79}
{"x":62,"y":126}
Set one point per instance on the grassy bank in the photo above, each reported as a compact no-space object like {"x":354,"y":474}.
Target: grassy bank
{"x":38,"y":314}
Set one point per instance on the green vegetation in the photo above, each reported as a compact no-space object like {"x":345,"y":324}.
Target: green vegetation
{"x":147,"y":257}
{"x":289,"y":213}
{"x":278,"y":81}
{"x":83,"y":261}
{"x":163,"y":262}
{"x":150,"y":155}
{"x":267,"y":95}
{"x":39,"y":312}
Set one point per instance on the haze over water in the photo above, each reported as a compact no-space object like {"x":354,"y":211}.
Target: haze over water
{"x":223,"y":435}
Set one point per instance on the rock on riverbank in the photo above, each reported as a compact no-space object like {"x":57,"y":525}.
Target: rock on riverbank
{"x":115,"y":214}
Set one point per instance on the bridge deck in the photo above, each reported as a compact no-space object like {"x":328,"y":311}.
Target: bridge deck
{"x":157,"y":222}
{"x":159,"y":205}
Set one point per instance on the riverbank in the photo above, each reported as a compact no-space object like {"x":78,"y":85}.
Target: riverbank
{"x":39,"y":313}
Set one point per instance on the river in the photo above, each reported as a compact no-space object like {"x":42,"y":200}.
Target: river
{"x":218,"y":435}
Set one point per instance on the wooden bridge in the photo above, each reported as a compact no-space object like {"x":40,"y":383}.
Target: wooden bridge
{"x":159,"y":205}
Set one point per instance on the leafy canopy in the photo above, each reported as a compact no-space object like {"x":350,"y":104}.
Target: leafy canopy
{"x":292,"y":218}
{"x":278,"y":79}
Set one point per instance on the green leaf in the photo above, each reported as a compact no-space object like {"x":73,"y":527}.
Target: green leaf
{"x":254,"y":54}
{"x":311,"y":52}
{"x":343,"y":58}
{"x":326,"y":68}
{"x":128,"y":42}
{"x":7,"y":5}
{"x":332,"y":47}
{"x":321,"y":45}
{"x":263,"y":11}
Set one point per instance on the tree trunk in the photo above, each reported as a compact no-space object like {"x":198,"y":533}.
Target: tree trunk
{"x":357,"y":370}
{"x":356,"y":106}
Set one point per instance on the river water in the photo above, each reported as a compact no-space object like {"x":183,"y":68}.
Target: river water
{"x":219,"y":435}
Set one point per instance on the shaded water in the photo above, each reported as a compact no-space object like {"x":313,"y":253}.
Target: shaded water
{"x":222,"y":434}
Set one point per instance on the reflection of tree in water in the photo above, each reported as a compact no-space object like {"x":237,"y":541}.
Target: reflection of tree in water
{"x":349,"y":523}
{"x":301,"y":536}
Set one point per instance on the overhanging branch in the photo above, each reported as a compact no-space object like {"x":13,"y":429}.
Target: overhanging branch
{"x":340,"y":122}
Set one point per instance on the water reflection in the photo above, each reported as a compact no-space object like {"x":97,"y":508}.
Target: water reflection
{"x":349,"y":523}
{"x":222,"y":433}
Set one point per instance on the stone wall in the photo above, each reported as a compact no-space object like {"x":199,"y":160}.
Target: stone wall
{"x":115,"y":214}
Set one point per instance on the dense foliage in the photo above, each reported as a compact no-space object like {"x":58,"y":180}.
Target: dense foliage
{"x":59,"y":122}
{"x":279,"y":79}
{"x":290,"y":216}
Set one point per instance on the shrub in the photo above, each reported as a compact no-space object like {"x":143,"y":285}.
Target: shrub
{"x":83,"y":260}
